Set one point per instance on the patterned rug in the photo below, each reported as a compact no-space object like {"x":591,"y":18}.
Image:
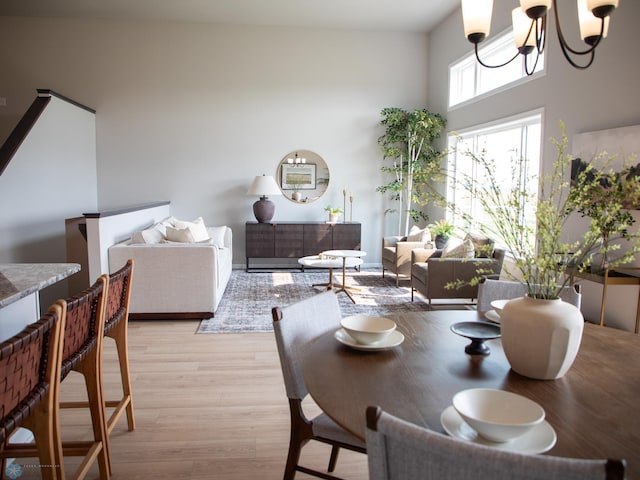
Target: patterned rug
{"x":247,"y":302}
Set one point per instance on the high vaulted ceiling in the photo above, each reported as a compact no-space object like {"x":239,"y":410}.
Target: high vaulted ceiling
{"x":396,"y":15}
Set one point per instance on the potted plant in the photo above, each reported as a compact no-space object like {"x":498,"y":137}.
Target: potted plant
{"x":408,"y":142}
{"x":545,"y":262}
{"x":441,"y":230}
{"x":334,"y":213}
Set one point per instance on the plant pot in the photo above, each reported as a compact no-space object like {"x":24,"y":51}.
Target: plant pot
{"x":440,"y":241}
{"x":333,"y":218}
{"x":541,"y":338}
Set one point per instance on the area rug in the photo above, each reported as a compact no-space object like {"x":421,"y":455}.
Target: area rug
{"x":249,"y":297}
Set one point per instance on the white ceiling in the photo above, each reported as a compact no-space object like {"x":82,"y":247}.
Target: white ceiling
{"x":397,"y":15}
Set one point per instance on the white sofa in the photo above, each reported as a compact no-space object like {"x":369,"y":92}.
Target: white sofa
{"x":176,"y":280}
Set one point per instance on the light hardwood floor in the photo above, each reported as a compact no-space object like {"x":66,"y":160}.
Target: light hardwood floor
{"x":207,"y":407}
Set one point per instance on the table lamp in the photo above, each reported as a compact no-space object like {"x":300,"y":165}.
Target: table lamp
{"x":262,"y":186}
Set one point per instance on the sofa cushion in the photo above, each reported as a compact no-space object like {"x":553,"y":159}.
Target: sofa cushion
{"x":150,"y":235}
{"x":182,"y":235}
{"x":456,"y":248}
{"x":197,"y":227}
{"x":216,"y":235}
{"x":417,"y":234}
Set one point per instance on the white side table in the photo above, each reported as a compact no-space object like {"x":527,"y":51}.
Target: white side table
{"x":345,"y":255}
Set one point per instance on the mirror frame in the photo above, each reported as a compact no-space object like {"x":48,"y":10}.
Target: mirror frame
{"x":314,"y":176}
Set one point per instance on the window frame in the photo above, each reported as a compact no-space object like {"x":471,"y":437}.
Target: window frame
{"x":458,"y":66}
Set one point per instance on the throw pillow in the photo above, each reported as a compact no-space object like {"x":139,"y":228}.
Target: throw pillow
{"x":197,"y":227}
{"x":217,"y":235}
{"x":417,"y":234}
{"x":183,"y":235}
{"x":149,"y":235}
{"x":456,"y":248}
{"x":482,"y":244}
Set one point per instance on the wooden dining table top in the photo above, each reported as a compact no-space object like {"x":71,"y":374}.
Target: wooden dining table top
{"x":594,"y":409}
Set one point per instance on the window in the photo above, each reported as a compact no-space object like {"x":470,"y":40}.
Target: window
{"x":505,"y":143}
{"x":468,"y":79}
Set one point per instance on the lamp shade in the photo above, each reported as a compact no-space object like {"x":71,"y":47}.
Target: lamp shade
{"x":264,"y":208}
{"x":263,"y":186}
{"x":476,"y":15}
{"x":590,"y":25}
{"x":523,"y":34}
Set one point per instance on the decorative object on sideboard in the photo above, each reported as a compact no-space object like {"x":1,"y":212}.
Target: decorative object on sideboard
{"x":530,"y":28}
{"x":334,"y":213}
{"x":263,"y":186}
{"x":351,"y":207}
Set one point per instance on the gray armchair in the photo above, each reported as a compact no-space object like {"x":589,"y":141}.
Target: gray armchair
{"x":430,"y":273}
{"x":396,"y":255}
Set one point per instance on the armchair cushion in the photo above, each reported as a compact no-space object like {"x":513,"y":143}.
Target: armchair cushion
{"x":417,"y":234}
{"x":455,"y":248}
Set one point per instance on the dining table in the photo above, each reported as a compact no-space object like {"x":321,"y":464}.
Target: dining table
{"x":594,"y":408}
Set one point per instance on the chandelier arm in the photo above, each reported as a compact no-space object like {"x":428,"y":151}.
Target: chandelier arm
{"x":535,"y":64}
{"x":541,"y":37}
{"x":494,"y":66}
{"x":565,"y":45}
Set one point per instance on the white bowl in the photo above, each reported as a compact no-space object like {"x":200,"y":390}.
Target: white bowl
{"x":497,"y":415}
{"x":366,"y":329}
{"x":498,"y":305}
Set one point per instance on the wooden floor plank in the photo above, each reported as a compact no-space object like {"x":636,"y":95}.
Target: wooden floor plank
{"x":207,"y":407}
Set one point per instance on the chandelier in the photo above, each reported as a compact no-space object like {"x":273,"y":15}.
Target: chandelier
{"x":530,"y":28}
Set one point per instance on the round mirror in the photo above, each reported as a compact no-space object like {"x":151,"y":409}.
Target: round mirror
{"x":303,"y":176}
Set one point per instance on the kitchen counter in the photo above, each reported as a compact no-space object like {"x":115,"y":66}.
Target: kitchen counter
{"x":18,"y":280}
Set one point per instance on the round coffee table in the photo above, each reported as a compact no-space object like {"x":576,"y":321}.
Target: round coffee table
{"x":324,"y":261}
{"x":346,"y":255}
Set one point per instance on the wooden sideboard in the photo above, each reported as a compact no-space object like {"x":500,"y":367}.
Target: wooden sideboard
{"x":299,"y":239}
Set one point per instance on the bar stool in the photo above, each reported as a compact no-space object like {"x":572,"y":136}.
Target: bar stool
{"x":29,"y":362}
{"x":116,"y":327}
{"x":82,"y":352}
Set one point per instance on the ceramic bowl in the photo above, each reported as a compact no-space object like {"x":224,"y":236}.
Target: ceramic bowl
{"x":498,"y":305}
{"x":497,"y":415}
{"x":366,"y":329}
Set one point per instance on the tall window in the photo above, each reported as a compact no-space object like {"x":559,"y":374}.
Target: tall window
{"x":514,"y":146}
{"x":468,"y":79}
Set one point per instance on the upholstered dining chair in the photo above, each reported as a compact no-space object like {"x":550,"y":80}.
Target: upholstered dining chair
{"x":29,"y":364}
{"x":399,"y":450}
{"x":82,"y":353}
{"x":294,"y":327}
{"x":490,"y":290}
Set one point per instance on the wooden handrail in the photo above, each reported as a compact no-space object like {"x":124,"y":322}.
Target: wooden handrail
{"x":26,"y":123}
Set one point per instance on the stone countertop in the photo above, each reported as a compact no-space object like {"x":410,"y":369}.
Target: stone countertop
{"x":17,"y":280}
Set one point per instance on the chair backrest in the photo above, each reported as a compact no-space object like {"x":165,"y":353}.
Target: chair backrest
{"x":297,"y":325}
{"x":398,"y":450}
{"x":84,"y":326}
{"x":490,"y":290}
{"x":28,"y":369}
{"x":118,"y":296}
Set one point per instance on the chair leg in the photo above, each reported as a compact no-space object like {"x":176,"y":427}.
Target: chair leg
{"x":122,"y":346}
{"x":333,"y":458}
{"x":293,"y":457}
{"x":96,"y":406}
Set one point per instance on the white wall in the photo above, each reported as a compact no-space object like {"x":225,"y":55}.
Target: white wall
{"x":51,"y":177}
{"x":191,"y":113}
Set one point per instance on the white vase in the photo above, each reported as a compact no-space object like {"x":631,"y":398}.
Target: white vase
{"x":333,"y":218}
{"x":541,"y":338}
{"x":297,"y":196}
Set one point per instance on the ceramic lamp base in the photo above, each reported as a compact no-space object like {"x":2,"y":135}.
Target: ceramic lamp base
{"x":264,"y":209}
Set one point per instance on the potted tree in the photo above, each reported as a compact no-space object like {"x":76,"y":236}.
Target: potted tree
{"x":408,"y":143}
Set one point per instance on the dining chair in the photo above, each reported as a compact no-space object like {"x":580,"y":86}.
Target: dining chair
{"x":82,"y":353}
{"x":29,"y":364}
{"x":295,"y":326}
{"x":490,"y":290}
{"x":399,"y":450}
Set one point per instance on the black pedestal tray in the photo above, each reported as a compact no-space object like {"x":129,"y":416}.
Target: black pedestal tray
{"x":477,"y":332}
